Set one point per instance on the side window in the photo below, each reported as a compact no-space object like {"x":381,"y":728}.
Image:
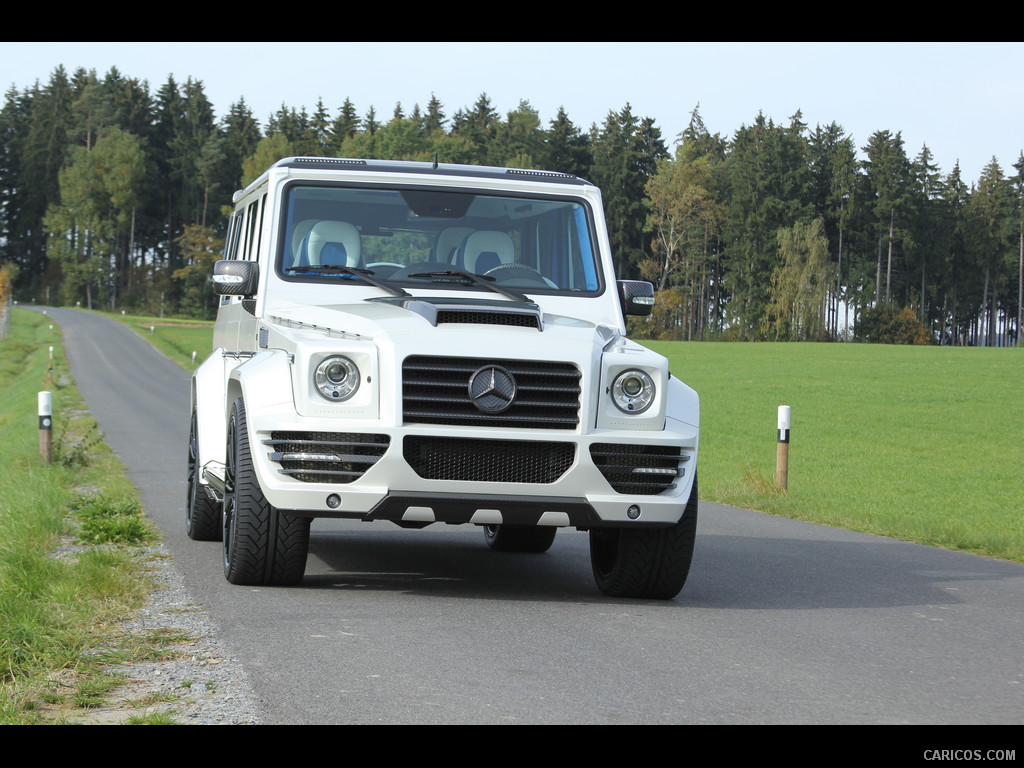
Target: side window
{"x":259,"y":226}
{"x":235,"y":248}
{"x":231,"y":244}
{"x":252,"y":229}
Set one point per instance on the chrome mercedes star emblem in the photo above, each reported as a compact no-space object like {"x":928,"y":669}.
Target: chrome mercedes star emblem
{"x":492,"y":389}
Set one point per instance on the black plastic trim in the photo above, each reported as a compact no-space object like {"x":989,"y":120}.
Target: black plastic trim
{"x":442,"y":169}
{"x":515,"y":510}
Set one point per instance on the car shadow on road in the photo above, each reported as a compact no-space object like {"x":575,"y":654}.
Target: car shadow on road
{"x":729,"y":571}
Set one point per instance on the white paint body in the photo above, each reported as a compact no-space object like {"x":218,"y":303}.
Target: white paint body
{"x":267,"y":348}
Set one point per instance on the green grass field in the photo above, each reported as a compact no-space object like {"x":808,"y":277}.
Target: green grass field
{"x":916,"y":443}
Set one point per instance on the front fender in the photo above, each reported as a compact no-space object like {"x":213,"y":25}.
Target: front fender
{"x":683,"y":403}
{"x":264,"y":382}
{"x":208,"y":386}
{"x":684,"y":416}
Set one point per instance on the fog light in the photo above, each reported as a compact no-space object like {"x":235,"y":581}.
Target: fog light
{"x":633,"y":513}
{"x":334,"y":501}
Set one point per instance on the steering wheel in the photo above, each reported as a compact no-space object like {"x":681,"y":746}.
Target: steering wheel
{"x":519,"y":275}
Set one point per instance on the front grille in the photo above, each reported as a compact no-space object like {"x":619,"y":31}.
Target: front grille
{"x":488,"y":461}
{"x":325,"y":457}
{"x":643,"y":470}
{"x":435,"y":390}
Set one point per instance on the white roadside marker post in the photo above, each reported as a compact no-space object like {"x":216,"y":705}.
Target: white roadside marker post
{"x":782,"y":452}
{"x":46,"y":427}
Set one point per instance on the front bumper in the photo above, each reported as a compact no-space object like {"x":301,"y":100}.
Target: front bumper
{"x":419,"y":474}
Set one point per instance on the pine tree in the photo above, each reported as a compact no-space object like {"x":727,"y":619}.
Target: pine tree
{"x":767,"y":188}
{"x":567,"y":148}
{"x":626,"y":152}
{"x":954,"y":202}
{"x":14,"y":118}
{"x":434,"y":121}
{"x":518,"y":142}
{"x":320,"y":130}
{"x":47,"y":142}
{"x":991,"y":247}
{"x":479,"y":127}
{"x":927,"y":227}
{"x":1018,"y":185}
{"x":344,"y":127}
{"x":833,"y":167}
{"x":241,"y":134}
{"x":888,"y":184}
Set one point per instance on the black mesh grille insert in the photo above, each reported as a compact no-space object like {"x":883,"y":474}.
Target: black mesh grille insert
{"x":643,"y":470}
{"x":325,"y":457}
{"x":435,"y":390}
{"x":519,"y":319}
{"x":488,"y":461}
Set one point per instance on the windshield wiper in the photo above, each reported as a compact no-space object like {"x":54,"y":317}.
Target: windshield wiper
{"x":363,"y":274}
{"x":487,"y":282}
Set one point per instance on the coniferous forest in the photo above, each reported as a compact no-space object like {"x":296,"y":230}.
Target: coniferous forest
{"x":116,"y":196}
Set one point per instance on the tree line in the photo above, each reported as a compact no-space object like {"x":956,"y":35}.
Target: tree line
{"x":116,"y":196}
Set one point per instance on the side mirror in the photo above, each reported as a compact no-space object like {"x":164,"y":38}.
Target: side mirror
{"x":236,"y":278}
{"x":637,"y":297}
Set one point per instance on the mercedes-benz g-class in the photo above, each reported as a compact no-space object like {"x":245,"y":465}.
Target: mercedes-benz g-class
{"x":424,"y":343}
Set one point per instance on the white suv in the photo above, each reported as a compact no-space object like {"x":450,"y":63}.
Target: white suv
{"x":428,"y":343}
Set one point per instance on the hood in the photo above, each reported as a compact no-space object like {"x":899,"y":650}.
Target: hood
{"x":408,"y":316}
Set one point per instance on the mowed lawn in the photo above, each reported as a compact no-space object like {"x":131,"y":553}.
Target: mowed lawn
{"x":917,"y":443}
{"x":177,"y":338}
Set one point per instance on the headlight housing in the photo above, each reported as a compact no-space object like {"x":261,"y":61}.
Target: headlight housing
{"x":633,"y":391}
{"x":336,"y":378}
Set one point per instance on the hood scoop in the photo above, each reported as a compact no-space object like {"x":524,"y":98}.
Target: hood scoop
{"x":473,"y":312}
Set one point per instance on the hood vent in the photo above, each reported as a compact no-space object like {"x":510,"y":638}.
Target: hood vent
{"x":475,"y":312}
{"x":521,"y":319}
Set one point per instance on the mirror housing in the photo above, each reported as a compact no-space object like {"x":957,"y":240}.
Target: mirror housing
{"x":236,"y":278}
{"x":637,"y":297}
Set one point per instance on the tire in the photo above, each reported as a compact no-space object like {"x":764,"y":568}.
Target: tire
{"x":202,"y":514}
{"x":520,"y":538}
{"x":262,"y":544}
{"x":650,"y":564}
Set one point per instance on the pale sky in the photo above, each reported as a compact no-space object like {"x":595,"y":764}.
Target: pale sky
{"x":964,"y":100}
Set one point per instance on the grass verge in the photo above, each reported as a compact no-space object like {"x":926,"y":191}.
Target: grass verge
{"x":177,"y":338}
{"x":71,"y":564}
{"x":915,"y":443}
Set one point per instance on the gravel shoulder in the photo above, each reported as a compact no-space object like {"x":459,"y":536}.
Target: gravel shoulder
{"x":206,"y":686}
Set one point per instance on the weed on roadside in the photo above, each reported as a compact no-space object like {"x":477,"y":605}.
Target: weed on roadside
{"x":110,"y":520}
{"x":153,"y":718}
{"x":71,"y":450}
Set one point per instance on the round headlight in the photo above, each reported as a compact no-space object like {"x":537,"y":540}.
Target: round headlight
{"x":633,"y":391}
{"x":336,"y":378}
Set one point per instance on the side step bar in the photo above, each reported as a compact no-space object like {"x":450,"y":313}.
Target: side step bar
{"x":215,"y":484}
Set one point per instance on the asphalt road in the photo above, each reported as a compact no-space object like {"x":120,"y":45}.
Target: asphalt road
{"x":780,"y":622}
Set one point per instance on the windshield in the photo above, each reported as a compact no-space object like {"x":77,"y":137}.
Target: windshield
{"x":424,"y":236}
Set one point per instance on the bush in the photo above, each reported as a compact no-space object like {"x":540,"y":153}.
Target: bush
{"x":885,"y":325}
